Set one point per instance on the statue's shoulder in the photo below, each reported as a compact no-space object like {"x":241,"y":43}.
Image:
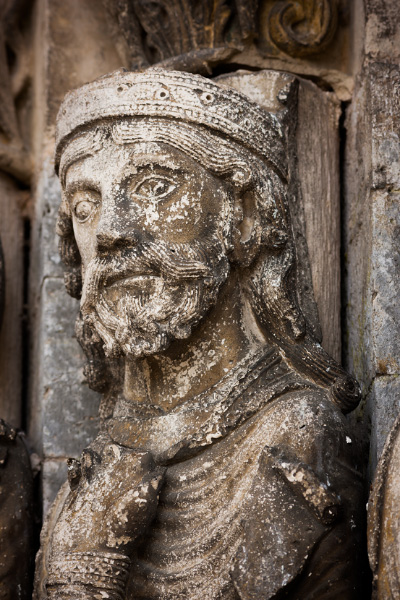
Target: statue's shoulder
{"x":304,"y":495}
{"x":307,"y":414}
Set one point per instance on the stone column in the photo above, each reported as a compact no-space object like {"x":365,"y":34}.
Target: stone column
{"x":372,"y":224}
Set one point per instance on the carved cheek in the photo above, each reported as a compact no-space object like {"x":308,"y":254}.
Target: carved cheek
{"x":217,"y":210}
{"x":85,"y":235}
{"x":151,"y":217}
{"x":182,"y":219}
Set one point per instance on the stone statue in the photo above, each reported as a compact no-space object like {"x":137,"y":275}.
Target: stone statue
{"x":16,"y":504}
{"x":17,"y":549}
{"x":224,"y":467}
{"x":384,"y":520}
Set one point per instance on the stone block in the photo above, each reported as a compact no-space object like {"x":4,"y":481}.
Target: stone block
{"x":46,"y":258}
{"x":69,"y":407}
{"x":316,"y":211}
{"x":54,"y":473}
{"x":385,"y":282}
{"x":384,"y":87}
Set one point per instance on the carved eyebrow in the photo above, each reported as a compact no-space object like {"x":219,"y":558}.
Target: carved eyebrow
{"x":162,"y":161}
{"x":77,"y":150}
{"x":146,"y":165}
{"x":79,"y":184}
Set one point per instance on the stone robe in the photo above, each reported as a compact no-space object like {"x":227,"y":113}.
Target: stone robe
{"x":260,"y":494}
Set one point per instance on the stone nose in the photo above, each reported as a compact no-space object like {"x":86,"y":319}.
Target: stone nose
{"x":118,"y":225}
{"x":111,"y":236}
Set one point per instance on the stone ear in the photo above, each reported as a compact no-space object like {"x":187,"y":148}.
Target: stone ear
{"x":246,"y":232}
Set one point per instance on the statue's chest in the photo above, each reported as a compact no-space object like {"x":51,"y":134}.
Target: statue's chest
{"x":197,"y":531}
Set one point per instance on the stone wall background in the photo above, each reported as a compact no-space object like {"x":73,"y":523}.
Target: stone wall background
{"x":371,"y":224}
{"x":357,"y":73}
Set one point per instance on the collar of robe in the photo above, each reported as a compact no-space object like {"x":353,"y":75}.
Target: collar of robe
{"x":259,"y":379}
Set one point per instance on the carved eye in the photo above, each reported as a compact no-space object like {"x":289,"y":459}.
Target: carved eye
{"x":155,"y":188}
{"x":84,"y":205}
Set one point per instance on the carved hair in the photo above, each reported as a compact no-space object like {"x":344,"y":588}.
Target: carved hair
{"x":269,"y":280}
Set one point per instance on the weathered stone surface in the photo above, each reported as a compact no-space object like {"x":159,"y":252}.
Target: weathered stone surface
{"x":383,"y":517}
{"x":357,"y":238}
{"x":374,"y":335}
{"x":318,"y":145}
{"x":385,"y":282}
{"x":46,"y":263}
{"x":372,"y":218}
{"x":382,"y":31}
{"x":176,"y":235}
{"x":384,"y":405}
{"x":316,"y":207}
{"x":66,"y":400}
{"x":384,"y":84}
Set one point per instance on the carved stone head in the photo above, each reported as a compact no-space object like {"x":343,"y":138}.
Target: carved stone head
{"x":172,"y":183}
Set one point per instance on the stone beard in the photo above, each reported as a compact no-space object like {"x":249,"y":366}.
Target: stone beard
{"x":224,"y":470}
{"x":142,"y":299}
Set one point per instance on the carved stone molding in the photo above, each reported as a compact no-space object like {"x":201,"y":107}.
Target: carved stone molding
{"x":304,"y":27}
{"x":181,"y":34}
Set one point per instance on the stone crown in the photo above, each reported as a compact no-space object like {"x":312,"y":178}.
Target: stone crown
{"x":157,"y":93}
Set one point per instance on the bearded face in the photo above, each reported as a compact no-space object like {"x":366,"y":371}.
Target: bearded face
{"x":152,"y":234}
{"x":140,"y":300}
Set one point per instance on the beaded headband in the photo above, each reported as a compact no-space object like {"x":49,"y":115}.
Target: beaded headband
{"x":173,"y":95}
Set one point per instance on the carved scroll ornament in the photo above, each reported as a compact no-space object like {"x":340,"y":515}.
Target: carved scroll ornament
{"x":302,"y":27}
{"x":224,"y":468}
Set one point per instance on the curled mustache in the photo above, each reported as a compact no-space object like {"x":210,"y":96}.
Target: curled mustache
{"x":175,"y":262}
{"x":186,"y":283}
